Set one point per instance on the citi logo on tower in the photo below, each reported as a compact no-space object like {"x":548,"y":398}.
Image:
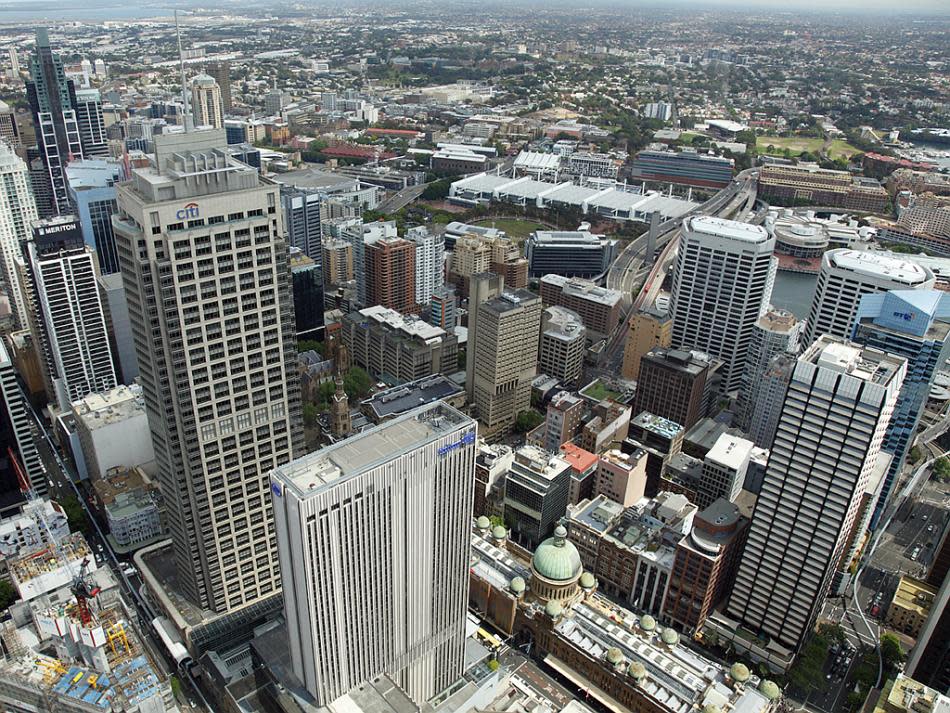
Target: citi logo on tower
{"x":190,"y":210}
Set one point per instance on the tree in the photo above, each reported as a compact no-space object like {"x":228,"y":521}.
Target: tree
{"x":75,"y":515}
{"x":310,"y":345}
{"x":527,"y":421}
{"x":941,"y":469}
{"x":309,"y":415}
{"x":8,"y":594}
{"x":891,"y":650}
{"x":357,"y":383}
{"x":438,"y":190}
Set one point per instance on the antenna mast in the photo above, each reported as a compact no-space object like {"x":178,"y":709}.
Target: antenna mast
{"x":184,"y":87}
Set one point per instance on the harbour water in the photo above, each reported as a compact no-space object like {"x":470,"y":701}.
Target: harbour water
{"x":794,"y":291}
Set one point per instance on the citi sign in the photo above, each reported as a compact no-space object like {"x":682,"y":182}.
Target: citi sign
{"x":190,"y":210}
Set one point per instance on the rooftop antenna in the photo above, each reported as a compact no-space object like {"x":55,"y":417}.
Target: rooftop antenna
{"x":184,"y":88}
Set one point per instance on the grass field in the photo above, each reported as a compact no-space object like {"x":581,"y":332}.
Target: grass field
{"x":515,"y":228}
{"x":795,"y":144}
{"x":840,"y":148}
{"x":599,"y":391}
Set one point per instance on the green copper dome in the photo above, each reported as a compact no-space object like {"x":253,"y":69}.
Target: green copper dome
{"x":647,"y":622}
{"x":556,"y":558}
{"x":517,"y":585}
{"x":588,"y":581}
{"x":770,"y":689}
{"x":614,"y":656}
{"x":711,"y":708}
{"x":553,"y":609}
{"x":637,"y":670}
{"x":483,"y":523}
{"x":499,"y":532}
{"x":739,"y":672}
{"x":670,"y":637}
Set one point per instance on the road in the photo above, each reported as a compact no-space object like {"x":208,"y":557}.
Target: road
{"x":401,"y":199}
{"x":63,"y":484}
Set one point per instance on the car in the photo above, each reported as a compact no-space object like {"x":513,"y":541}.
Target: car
{"x":913,"y":555}
{"x":930,"y":528}
{"x":875,"y":610}
{"x":924,"y":517}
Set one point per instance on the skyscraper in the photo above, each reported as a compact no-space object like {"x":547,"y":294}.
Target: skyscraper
{"x":91,"y":184}
{"x":67,"y":317}
{"x":768,"y":399}
{"x":648,"y":330}
{"x":17,"y":213}
{"x":9,"y":131}
{"x":307,"y":280}
{"x":220,"y":71}
{"x":836,"y":411}
{"x":676,"y":384}
{"x":374,"y":539}
{"x":206,"y":102}
{"x":303,"y":217}
{"x":774,"y":332}
{"x":92,"y":129}
{"x":722,"y":284}
{"x":390,"y":265}
{"x":429,"y":262}
{"x":16,"y":434}
{"x":52,"y":98}
{"x":506,"y":357}
{"x":914,"y":324}
{"x":207,"y":281}
{"x":482,"y":287}
{"x":846,"y":276}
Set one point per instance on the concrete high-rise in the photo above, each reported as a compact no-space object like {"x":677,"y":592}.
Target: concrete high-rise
{"x":648,"y":330}
{"x":91,"y":184}
{"x":769,"y":398}
{"x":913,"y":324}
{"x":774,"y":332}
{"x":483,"y":287}
{"x":829,"y":437}
{"x":563,"y":345}
{"x":92,"y":129}
{"x":67,"y":315}
{"x":429,"y":262}
{"x":52,"y":99}
{"x":16,"y":432}
{"x":17,"y":213}
{"x":9,"y":131}
{"x":390,"y":265}
{"x":374,"y":540}
{"x":677,"y":385}
{"x":207,"y":282}
{"x":206,"y":102}
{"x":722,"y":284}
{"x":846,"y":276}
{"x":220,"y":72}
{"x":506,"y":357}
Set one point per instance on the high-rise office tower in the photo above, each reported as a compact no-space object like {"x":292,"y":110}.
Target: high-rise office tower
{"x":563,"y":345}
{"x":648,"y":330}
{"x":914,"y":324}
{"x":677,"y":385}
{"x":506,"y":357}
{"x":52,"y":99}
{"x":722,"y":284}
{"x":17,"y":213}
{"x":442,"y":308}
{"x":768,"y":399}
{"x":307,"y":280}
{"x":846,"y":276}
{"x":304,"y":210}
{"x":206,"y":102}
{"x":92,"y":129}
{"x":393,"y":504}
{"x":836,"y":411}
{"x":207,"y":282}
{"x":482,"y":287}
{"x":9,"y":131}
{"x":390,"y":265}
{"x":430,"y":262}
{"x":67,"y":316}
{"x":16,"y":434}
{"x":91,"y":184}
{"x":774,"y":332}
{"x":220,"y":72}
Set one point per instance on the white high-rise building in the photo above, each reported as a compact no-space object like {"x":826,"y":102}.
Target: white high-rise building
{"x":775,"y":332}
{"x":769,"y":396}
{"x":206,"y":102}
{"x":829,"y":436}
{"x":846,"y":276}
{"x":201,"y":244}
{"x":20,"y":422}
{"x":430,"y":262}
{"x":723,"y":282}
{"x":17,"y":213}
{"x":92,"y":128}
{"x":374,"y":539}
{"x":67,"y":317}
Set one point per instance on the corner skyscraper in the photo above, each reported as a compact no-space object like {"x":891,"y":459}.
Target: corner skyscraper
{"x":837,"y":408}
{"x":374,"y":541}
{"x":722,"y":284}
{"x":66,"y":126}
{"x":200,"y":242}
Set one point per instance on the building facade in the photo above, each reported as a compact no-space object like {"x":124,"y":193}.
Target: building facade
{"x":676,"y":385}
{"x":647,"y":331}
{"x":775,"y":332}
{"x":563,"y":345}
{"x":17,"y":213}
{"x":91,"y":184}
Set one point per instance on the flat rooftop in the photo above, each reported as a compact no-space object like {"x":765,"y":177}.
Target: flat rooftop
{"x":731,"y":451}
{"x":730,"y":229}
{"x":360,"y":453}
{"x":410,"y":395}
{"x":881,"y":265}
{"x":583,"y":289}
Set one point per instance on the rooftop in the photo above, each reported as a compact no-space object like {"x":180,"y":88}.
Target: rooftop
{"x":410,"y":395}
{"x":109,"y":407}
{"x":915,"y":595}
{"x":730,"y":229}
{"x":731,"y":451}
{"x":581,"y":461}
{"x":842,"y":356}
{"x":583,"y":289}
{"x":872,"y":263}
{"x":412,"y":326}
{"x":362,"y":452}
{"x":657,"y":424}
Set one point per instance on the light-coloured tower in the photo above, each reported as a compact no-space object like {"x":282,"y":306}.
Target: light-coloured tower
{"x":775,"y":332}
{"x":430,"y":259}
{"x":836,"y":412}
{"x":563,"y":344}
{"x":66,"y":312}
{"x":17,"y":213}
{"x":374,"y":540}
{"x":846,"y":276}
{"x":92,"y":129}
{"x":506,"y":357}
{"x":206,"y":102}
{"x":207,"y":280}
{"x":722,"y":284}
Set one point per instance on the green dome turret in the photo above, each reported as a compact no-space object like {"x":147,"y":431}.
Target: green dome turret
{"x":670,"y":637}
{"x":588,"y":581}
{"x":553,"y":609}
{"x":647,"y":622}
{"x":557,"y":559}
{"x":739,"y":672}
{"x":614,"y":656}
{"x":770,"y":689}
{"x":637,"y":671}
{"x":483,"y":523}
{"x":517,"y":585}
{"x":711,"y":708}
{"x":499,"y":532}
